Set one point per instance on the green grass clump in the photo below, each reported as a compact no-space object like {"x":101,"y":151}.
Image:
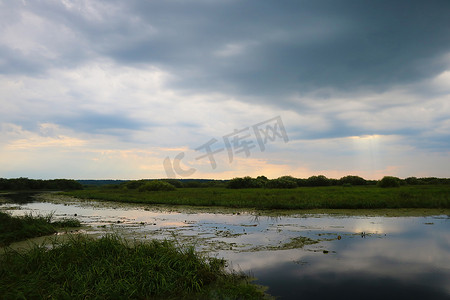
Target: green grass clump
{"x":330,"y":197}
{"x":111,"y":268}
{"x":13,"y":229}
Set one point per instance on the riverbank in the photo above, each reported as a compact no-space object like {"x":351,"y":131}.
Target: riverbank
{"x":335,"y":197}
{"x":15,"y":229}
{"x":110,"y":267}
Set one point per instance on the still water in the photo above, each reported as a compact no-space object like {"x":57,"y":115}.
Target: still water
{"x":297,"y":255}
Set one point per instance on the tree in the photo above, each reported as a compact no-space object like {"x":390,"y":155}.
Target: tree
{"x":353,"y":180}
{"x":320,"y":180}
{"x":389,"y":181}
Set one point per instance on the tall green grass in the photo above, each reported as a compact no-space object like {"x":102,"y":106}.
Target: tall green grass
{"x":333,"y":197}
{"x":111,"y":268}
{"x":14,"y":229}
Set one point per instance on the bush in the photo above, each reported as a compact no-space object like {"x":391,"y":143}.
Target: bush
{"x":245,"y":183}
{"x":156,"y":185}
{"x":320,"y":180}
{"x":352,"y":180}
{"x":389,"y":181}
{"x":284,"y":182}
{"x":175,"y":183}
{"x":134,"y":184}
{"x":413,"y":181}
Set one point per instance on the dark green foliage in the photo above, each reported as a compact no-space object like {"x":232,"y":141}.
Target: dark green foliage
{"x":262,"y":178}
{"x":174,"y":182}
{"x":23,"y":183}
{"x":134,"y":184}
{"x":389,"y":181}
{"x":111,"y":268}
{"x":352,"y":180}
{"x":193,"y":184}
{"x":156,"y":185}
{"x":301,"y":182}
{"x":66,"y":223}
{"x":413,"y":181}
{"x":245,"y":183}
{"x":14,"y":229}
{"x":284,"y":182}
{"x":320,"y":180}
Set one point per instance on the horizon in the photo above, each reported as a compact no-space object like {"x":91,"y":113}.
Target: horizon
{"x":225,"y":179}
{"x":218,"y":90}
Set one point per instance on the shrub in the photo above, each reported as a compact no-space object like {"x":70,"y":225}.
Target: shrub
{"x":352,"y":180}
{"x":175,"y":183}
{"x":320,"y":180}
{"x":284,"y":182}
{"x":134,"y":184}
{"x":389,"y":181}
{"x":413,"y":181}
{"x":192,"y":184}
{"x":245,"y":183}
{"x":156,"y":185}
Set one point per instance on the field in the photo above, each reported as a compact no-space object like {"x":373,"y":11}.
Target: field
{"x":335,"y":197}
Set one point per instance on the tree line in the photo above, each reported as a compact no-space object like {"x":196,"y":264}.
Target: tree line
{"x":284,"y":182}
{"x":24,"y":183}
{"x":321,"y":180}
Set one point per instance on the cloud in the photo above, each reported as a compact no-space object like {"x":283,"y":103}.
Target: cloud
{"x":292,"y":46}
{"x":174,"y":74}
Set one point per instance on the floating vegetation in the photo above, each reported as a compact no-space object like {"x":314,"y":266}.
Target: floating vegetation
{"x":293,"y":243}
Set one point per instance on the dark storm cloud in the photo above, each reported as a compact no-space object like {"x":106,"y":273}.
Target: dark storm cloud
{"x":294,"y":46}
{"x":285,"y":46}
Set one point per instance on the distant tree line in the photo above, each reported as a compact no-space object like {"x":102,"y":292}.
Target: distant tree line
{"x":283,"y":182}
{"x":321,"y":180}
{"x":169,"y":184}
{"x":24,"y":183}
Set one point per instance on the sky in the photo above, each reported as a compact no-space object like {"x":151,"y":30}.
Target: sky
{"x":221,"y":89}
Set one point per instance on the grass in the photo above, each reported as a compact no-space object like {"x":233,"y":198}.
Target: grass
{"x":13,"y":229}
{"x":335,"y":197}
{"x":111,"y":268}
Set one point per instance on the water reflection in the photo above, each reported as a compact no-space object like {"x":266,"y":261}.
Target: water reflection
{"x":19,"y":197}
{"x":398,"y":257}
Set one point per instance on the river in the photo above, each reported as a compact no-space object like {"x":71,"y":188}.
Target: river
{"x":296,"y":254}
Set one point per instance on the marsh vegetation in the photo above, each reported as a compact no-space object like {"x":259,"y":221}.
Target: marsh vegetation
{"x":112,"y":268}
{"x":327,"y":197}
{"x":15,"y":229}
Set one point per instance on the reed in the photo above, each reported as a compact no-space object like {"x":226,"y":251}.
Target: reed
{"x":112,"y":268}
